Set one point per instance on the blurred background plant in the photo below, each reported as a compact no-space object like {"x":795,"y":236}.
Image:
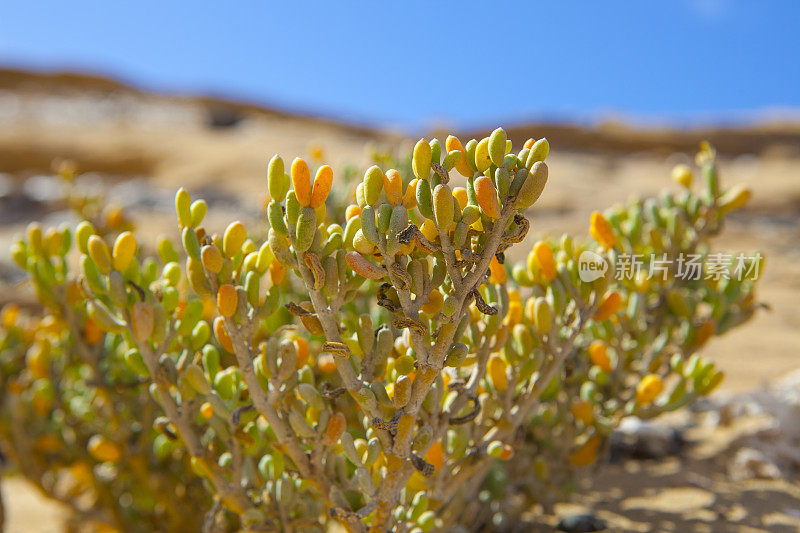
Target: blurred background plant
{"x":76,"y":421}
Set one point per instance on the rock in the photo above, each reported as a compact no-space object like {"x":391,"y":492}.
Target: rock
{"x":139,"y":196}
{"x":17,"y":207}
{"x":44,"y":188}
{"x":769,"y":449}
{"x":637,"y":439}
{"x":223,"y":117}
{"x":581,"y":523}
{"x":783,"y":402}
{"x":6,"y":186}
{"x":10,"y":274}
{"x":749,"y":463}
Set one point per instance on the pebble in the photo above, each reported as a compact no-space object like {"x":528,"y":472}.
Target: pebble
{"x":581,"y":523}
{"x":638,"y":439}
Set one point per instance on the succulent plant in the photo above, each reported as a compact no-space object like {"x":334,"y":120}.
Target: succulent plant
{"x":384,"y":372}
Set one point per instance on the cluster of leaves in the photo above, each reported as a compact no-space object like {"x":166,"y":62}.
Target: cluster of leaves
{"x":638,"y":356}
{"x":382,"y":373}
{"x":74,"y":418}
{"x":77,"y":424}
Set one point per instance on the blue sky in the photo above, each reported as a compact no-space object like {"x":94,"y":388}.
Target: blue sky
{"x":413,"y":64}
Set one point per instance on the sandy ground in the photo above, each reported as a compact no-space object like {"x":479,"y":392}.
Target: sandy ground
{"x":167,"y":144}
{"x":27,"y":511}
{"x":690,"y":492}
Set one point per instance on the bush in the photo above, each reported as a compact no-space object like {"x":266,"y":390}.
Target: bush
{"x":619,"y":366}
{"x":73,"y":418}
{"x":382,"y":374}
